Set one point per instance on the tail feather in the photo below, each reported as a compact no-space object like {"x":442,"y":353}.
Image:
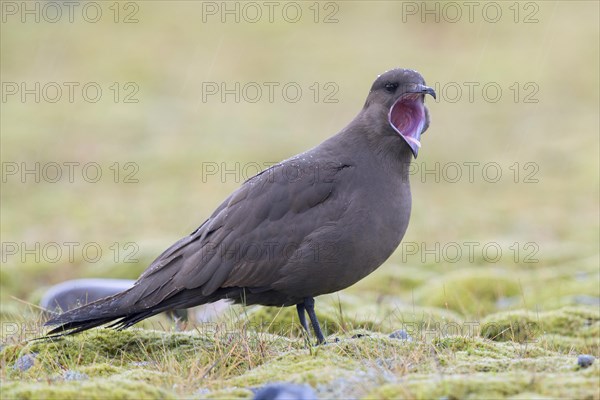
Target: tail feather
{"x":119,"y":310}
{"x":90,"y":315}
{"x":72,"y":328}
{"x":107,"y":307}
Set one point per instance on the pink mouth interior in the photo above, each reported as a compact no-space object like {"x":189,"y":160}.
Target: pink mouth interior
{"x":407,"y":117}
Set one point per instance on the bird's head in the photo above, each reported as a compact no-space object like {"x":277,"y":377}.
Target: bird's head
{"x":398,"y":96}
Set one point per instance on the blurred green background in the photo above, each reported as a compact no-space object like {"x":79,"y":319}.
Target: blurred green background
{"x":544,"y":124}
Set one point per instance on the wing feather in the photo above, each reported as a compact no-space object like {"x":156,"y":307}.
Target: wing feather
{"x":248,"y":239}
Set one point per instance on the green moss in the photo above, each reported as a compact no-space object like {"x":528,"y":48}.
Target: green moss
{"x":573,"y":321}
{"x":461,"y":343}
{"x":567,"y":329}
{"x":95,"y":389}
{"x":517,"y":326}
{"x":473,"y":292}
{"x":505,"y":385}
{"x":8,"y":282}
{"x":346,"y":359}
{"x":147,"y":375}
{"x":529,"y":396}
{"x":395,"y":280}
{"x":101,"y":370}
{"x":365,"y":345}
{"x":282,"y":321}
{"x":9,"y":354}
{"x":459,"y":355}
{"x":226,"y":362}
{"x":561,"y":286}
{"x":343,"y":313}
{"x":107,"y":345}
{"x":389,"y":317}
{"x":483,"y":348}
{"x":158,"y":359}
{"x":228,"y":394}
{"x":18,"y":320}
{"x":571,"y":345}
{"x":454,"y":387}
{"x":311,"y":366}
{"x":104,"y":347}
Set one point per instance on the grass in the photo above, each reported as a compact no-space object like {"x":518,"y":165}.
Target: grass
{"x":482,"y":326}
{"x":364,"y":363}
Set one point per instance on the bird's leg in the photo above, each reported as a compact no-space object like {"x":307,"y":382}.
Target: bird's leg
{"x":309,"y":305}
{"x":302,"y":316}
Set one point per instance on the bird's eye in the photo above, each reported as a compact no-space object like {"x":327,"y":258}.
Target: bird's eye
{"x":391,"y":87}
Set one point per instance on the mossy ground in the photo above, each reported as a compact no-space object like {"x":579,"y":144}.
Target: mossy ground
{"x":480,"y":328}
{"x":508,"y":354}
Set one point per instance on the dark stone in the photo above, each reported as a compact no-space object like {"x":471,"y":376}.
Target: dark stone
{"x":75,"y":293}
{"x":401,"y":335}
{"x":285,"y":391}
{"x":71,"y":375}
{"x":587,"y":300}
{"x":359,"y":335}
{"x":585,"y":360}
{"x":25,"y":362}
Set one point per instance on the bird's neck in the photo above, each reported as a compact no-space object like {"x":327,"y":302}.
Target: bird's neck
{"x":382,"y":142}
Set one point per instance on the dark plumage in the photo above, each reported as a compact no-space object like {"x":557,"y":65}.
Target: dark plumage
{"x":313,"y":224}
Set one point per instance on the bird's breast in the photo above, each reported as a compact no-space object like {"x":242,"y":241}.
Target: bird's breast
{"x":376,"y":217}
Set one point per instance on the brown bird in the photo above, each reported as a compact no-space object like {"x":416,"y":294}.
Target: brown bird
{"x":310,"y":225}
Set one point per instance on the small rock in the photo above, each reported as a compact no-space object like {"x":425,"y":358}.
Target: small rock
{"x":285,"y":391}
{"x":582,"y":275}
{"x":71,"y":375}
{"x":25,"y":362}
{"x":587,"y":300}
{"x":401,"y":335}
{"x":507,"y":302}
{"x":585,"y":360}
{"x":141,"y":363}
{"x":359,"y":335}
{"x":202,"y":391}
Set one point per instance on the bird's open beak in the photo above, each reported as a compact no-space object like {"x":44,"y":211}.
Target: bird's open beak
{"x":408,"y":117}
